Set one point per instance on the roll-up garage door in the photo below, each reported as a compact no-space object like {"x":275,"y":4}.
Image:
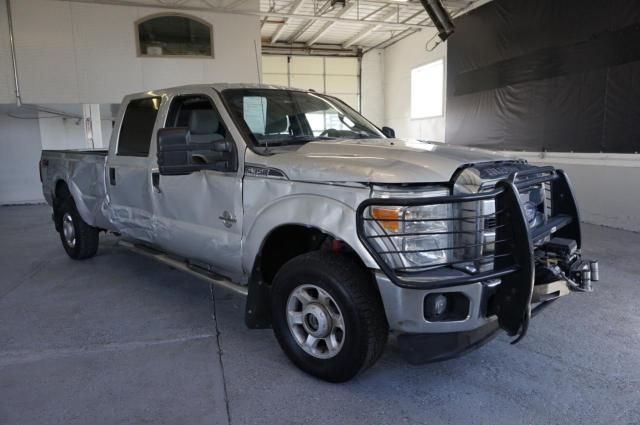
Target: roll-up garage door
{"x":335,"y":76}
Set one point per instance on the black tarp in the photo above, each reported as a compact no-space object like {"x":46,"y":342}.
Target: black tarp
{"x":555,"y":75}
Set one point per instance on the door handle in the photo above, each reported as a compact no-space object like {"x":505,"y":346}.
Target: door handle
{"x":112,"y":176}
{"x":155,"y":180}
{"x":227,"y":219}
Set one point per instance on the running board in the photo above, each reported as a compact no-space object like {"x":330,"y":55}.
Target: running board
{"x":185,"y":267}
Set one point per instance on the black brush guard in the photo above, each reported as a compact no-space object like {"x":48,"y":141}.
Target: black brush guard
{"x":513,"y":257}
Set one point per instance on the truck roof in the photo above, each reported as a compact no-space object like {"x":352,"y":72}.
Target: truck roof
{"x":216,"y":86}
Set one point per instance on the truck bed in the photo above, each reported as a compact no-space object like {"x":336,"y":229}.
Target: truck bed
{"x":83,"y":171}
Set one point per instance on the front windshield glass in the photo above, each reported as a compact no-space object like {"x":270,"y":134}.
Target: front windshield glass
{"x":286,"y":117}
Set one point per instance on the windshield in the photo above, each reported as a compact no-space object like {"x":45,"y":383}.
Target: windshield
{"x":275,"y":117}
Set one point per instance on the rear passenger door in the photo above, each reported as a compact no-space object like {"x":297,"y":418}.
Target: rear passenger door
{"x":200,"y":212}
{"x":128,"y":167}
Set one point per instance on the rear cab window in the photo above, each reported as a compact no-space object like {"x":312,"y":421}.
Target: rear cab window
{"x":137,"y":127}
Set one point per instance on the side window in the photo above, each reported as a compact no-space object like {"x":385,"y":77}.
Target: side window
{"x":137,"y":127}
{"x":197,"y":113}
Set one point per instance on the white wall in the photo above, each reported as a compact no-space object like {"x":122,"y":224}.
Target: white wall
{"x":61,"y":133}
{"x":399,"y":60}
{"x":72,"y":53}
{"x":606,"y":185}
{"x":86,"y":53}
{"x":20,"y":153}
{"x":372,"y":98}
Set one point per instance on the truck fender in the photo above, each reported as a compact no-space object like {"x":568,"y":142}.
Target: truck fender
{"x":326,"y":214}
{"x":316,"y":212}
{"x":85,"y":210}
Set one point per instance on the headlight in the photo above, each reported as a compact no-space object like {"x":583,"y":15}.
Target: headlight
{"x":431,"y":247}
{"x":419,"y":236}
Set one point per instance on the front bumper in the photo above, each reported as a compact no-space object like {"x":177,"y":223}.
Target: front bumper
{"x":421,"y":340}
{"x":423,"y":348}
{"x":405,"y":306}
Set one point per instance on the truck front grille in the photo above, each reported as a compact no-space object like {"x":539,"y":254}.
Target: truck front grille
{"x":484,"y":229}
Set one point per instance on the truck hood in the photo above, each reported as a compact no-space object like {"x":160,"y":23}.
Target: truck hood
{"x":377,"y":161}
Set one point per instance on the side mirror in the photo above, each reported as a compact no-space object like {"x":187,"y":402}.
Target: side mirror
{"x":389,"y":132}
{"x":178,"y":155}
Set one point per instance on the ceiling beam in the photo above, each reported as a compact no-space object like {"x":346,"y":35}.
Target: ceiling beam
{"x":406,"y":33}
{"x":246,"y":12}
{"x":303,"y":49}
{"x":263,"y":21}
{"x":232,"y":5}
{"x":295,"y":7}
{"x":369,"y":29}
{"x":322,"y":9}
{"x":327,"y":26}
{"x":393,"y":39}
{"x":397,"y":25}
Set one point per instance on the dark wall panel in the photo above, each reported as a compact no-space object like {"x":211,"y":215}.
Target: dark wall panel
{"x":546,"y":75}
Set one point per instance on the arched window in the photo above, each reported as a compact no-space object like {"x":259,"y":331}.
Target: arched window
{"x":174,"y":35}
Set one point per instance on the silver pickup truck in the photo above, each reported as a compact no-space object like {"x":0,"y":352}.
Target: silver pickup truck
{"x":337,"y":232}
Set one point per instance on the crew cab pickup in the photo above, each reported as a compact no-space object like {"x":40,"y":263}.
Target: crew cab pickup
{"x":337,"y":232}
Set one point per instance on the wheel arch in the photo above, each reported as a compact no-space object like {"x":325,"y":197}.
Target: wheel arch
{"x":297,"y":239}
{"x":59,"y":194}
{"x":63,"y":188}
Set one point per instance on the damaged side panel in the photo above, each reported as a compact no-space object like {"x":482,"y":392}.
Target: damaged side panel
{"x":189,"y":219}
{"x":83,"y":173}
{"x":270,"y":203}
{"x":128,"y":205}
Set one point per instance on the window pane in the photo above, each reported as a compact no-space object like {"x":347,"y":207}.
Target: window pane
{"x":174,"y":36}
{"x":137,"y":127}
{"x":427,"y":90}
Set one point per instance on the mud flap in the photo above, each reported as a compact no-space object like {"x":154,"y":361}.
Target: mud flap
{"x":512,"y":301}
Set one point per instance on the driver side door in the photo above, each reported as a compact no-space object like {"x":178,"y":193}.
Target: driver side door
{"x":197,"y":188}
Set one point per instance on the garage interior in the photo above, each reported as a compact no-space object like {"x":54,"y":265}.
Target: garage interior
{"x":122,"y":339}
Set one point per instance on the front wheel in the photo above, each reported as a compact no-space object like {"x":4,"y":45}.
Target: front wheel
{"x":328,"y":316}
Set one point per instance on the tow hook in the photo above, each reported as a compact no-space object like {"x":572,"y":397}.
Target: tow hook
{"x":559,"y":260}
{"x":581,"y":274}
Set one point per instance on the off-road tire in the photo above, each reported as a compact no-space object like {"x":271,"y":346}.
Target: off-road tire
{"x":352,"y":287}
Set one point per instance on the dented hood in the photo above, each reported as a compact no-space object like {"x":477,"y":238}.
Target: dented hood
{"x":376,"y":161}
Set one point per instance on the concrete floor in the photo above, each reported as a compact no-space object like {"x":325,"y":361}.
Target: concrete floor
{"x":122,"y":339}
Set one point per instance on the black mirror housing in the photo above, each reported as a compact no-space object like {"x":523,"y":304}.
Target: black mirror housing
{"x":178,"y":155}
{"x":389,"y":132}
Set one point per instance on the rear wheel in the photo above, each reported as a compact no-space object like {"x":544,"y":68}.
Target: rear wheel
{"x":79,"y":239}
{"x":328,"y":316}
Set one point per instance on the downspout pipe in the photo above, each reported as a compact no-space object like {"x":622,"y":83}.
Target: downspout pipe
{"x":14,"y":62}
{"x":16,"y":78}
